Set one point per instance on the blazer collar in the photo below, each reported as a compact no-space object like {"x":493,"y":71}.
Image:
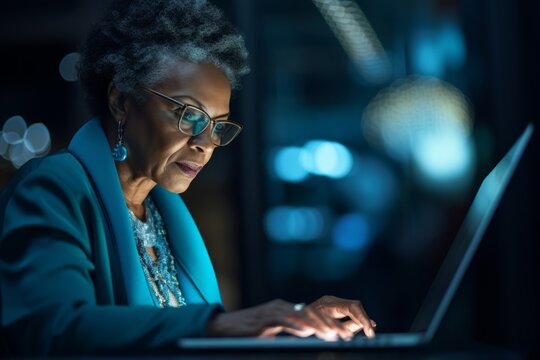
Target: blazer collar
{"x":186,"y":243}
{"x":91,"y":148}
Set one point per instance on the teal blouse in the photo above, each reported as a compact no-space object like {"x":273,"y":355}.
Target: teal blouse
{"x":71,"y":281}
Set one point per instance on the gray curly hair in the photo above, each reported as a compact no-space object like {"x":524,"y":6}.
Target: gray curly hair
{"x":137,"y":41}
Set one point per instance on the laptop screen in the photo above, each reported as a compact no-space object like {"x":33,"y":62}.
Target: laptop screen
{"x":467,"y":240}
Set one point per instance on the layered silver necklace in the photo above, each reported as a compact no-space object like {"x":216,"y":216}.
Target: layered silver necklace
{"x":161,"y":273}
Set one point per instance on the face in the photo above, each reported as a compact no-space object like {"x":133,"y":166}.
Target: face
{"x":157,"y":149}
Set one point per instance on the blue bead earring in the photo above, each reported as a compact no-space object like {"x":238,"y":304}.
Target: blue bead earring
{"x":119,"y":152}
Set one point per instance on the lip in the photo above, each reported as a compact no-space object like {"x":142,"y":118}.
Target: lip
{"x":189,"y":168}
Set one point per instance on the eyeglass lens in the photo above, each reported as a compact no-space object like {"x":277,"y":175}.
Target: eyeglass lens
{"x":193,"y":122}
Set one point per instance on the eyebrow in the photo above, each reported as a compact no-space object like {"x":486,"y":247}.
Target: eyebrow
{"x":198,"y":103}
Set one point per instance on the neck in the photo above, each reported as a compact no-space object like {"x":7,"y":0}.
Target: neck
{"x":134,"y":188}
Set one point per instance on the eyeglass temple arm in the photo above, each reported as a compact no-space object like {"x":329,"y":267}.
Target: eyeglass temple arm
{"x":166,"y":98}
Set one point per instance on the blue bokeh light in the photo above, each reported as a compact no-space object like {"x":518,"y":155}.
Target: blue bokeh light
{"x":452,"y":44}
{"x":317,"y":157}
{"x":327,"y":158}
{"x":436,"y":48}
{"x":426,"y":57}
{"x":445,"y":159}
{"x":351,"y":232}
{"x":287,"y":223}
{"x":287,"y":164}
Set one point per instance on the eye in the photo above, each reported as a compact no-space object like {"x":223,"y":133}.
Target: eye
{"x":193,"y":116}
{"x":221,"y":127}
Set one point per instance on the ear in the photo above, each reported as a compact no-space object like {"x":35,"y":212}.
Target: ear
{"x":117,"y":103}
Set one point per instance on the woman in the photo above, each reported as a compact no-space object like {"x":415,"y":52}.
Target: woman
{"x":98,"y":253}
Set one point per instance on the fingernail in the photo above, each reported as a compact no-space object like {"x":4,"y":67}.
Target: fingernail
{"x":332,"y":335}
{"x":370,"y":333}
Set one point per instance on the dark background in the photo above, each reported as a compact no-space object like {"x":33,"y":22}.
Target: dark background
{"x":300,"y":71}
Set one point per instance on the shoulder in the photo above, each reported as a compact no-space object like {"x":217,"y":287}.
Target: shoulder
{"x":52,"y":193}
{"x":55,"y":180}
{"x":61,"y":168}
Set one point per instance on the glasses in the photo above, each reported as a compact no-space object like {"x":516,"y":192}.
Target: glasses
{"x":193,"y":121}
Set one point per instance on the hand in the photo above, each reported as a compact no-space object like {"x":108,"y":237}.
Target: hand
{"x":274,"y":317}
{"x":338,"y":308}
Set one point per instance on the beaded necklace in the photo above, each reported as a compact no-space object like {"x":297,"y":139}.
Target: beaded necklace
{"x":161,"y":274}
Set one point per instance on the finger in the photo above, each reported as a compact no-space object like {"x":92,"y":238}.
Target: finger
{"x":319,"y":327}
{"x":270,"y":331}
{"x":333,"y":327}
{"x":331,"y":306}
{"x":288,"y":326}
{"x":299,"y":322}
{"x":300,"y":333}
{"x":359,"y":316}
{"x":352,"y":326}
{"x":307,"y":317}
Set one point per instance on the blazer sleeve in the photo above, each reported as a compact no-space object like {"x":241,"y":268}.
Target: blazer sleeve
{"x":48,"y":302}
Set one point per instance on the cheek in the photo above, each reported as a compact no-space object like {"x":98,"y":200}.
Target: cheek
{"x":166,"y":148}
{"x":152,"y":146}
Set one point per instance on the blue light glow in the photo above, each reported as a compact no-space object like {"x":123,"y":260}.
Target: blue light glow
{"x":435,"y":48}
{"x":452,"y":44}
{"x":426,"y":124}
{"x":288,"y":166}
{"x":286,"y":223}
{"x":426,"y":56}
{"x":444,"y":158}
{"x":351,"y":232}
{"x":327,"y":158}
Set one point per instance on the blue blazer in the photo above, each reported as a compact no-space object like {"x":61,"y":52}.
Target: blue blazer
{"x":70,"y":277}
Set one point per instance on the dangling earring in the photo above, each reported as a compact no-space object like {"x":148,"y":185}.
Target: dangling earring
{"x":119,"y":152}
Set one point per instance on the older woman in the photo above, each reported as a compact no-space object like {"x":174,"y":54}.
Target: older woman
{"x":98,"y":253}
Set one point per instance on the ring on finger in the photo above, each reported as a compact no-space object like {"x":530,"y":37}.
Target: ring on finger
{"x":299,"y":306}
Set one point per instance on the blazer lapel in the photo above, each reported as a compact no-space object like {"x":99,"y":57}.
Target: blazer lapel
{"x":91,"y":148}
{"x":186,"y":243}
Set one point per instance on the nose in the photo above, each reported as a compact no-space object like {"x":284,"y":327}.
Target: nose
{"x":203,"y":141}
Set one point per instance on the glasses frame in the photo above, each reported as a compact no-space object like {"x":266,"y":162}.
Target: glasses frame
{"x":183,"y":107}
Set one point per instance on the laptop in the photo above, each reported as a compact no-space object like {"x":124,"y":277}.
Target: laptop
{"x":441,"y":292}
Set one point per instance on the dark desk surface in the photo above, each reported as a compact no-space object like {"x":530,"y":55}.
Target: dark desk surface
{"x":471,"y":351}
{"x":461,"y":352}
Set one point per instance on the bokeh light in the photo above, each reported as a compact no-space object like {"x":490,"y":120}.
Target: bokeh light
{"x":425,"y":122}
{"x":436,"y":48}
{"x":19,"y":155}
{"x":287,"y":223}
{"x":68,"y":67}
{"x":13,"y":130}
{"x":357,"y":38}
{"x":327,"y":158}
{"x":317,"y":157}
{"x":444,"y":158}
{"x":19,"y":143}
{"x":37,"y":139}
{"x":351,"y":232}
{"x":287,"y":164}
